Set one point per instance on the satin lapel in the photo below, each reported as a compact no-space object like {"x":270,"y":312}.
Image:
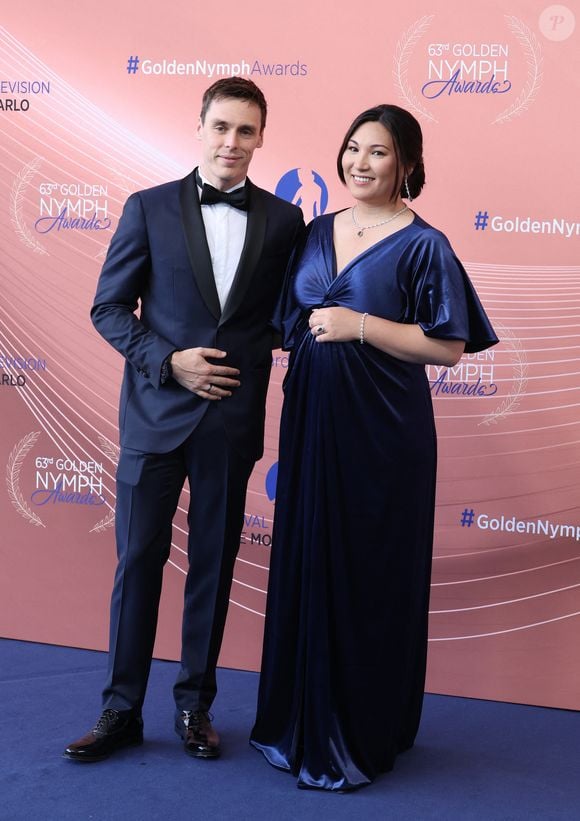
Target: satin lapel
{"x":251,"y":252}
{"x":197,"y":246}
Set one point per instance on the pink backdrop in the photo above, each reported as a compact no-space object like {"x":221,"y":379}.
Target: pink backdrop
{"x":496,"y":90}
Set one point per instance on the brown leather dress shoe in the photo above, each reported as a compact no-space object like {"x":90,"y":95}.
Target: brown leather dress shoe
{"x":112,"y":731}
{"x":200,"y":738}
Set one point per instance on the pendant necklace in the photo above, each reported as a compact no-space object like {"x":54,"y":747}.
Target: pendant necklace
{"x":363,"y":228}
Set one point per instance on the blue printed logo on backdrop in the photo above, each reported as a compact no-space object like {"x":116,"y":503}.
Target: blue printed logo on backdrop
{"x":306,"y":189}
{"x":271,"y":479}
{"x":253,"y":521}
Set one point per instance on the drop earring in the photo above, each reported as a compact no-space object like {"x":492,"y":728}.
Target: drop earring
{"x":407,"y":191}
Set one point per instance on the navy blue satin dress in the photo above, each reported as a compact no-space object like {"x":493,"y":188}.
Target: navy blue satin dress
{"x":345,"y":644}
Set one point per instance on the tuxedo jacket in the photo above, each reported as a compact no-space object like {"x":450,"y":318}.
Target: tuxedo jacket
{"x":157,"y":294}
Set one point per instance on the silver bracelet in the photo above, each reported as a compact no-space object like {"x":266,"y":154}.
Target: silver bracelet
{"x":361,"y":334}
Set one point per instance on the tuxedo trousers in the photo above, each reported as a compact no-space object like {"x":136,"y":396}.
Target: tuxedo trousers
{"x":149,"y":486}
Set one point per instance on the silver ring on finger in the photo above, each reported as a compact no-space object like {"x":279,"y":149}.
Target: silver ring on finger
{"x":320,"y":330}
{"x":210,"y":388}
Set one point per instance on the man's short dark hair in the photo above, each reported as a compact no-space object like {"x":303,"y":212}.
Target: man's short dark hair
{"x":237,"y":88}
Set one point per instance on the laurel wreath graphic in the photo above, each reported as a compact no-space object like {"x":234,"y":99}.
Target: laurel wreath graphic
{"x":19,"y":186}
{"x":13,"y":468}
{"x":112,"y":451}
{"x":103,"y":524}
{"x":403,"y":52}
{"x":517,"y":358}
{"x":533,"y":54}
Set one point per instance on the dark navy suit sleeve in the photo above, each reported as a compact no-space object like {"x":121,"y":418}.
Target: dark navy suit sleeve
{"x":123,"y":281}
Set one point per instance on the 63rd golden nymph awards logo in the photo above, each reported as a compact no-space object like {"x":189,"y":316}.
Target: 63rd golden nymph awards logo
{"x":493,"y":381}
{"x":496,"y":66}
{"x":39,"y":483}
{"x":43,"y":209}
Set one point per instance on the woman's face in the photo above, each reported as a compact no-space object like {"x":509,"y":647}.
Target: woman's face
{"x":369,"y":164}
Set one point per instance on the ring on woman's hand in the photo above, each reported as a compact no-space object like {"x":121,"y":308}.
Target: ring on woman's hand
{"x":320,"y":330}
{"x":210,"y":389}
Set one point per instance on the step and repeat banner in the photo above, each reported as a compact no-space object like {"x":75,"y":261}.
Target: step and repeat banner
{"x":98,"y":102}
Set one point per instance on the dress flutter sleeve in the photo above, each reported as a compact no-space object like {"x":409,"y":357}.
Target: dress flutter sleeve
{"x":288,"y":317}
{"x":446,"y":305}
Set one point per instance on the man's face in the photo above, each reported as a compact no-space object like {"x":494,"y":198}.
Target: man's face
{"x":229,"y":135}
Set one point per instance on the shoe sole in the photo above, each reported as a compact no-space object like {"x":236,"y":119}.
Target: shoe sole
{"x":202,"y":753}
{"x":89,"y":759}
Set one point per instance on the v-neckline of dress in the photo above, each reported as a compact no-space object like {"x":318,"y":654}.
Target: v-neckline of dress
{"x":335,"y":273}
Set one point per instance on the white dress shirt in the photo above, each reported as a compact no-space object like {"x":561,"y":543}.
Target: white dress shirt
{"x":225,"y":229}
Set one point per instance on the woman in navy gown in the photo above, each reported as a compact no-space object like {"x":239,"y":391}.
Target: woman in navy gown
{"x":375,"y":295}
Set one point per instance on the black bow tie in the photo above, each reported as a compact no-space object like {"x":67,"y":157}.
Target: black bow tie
{"x":211,"y":196}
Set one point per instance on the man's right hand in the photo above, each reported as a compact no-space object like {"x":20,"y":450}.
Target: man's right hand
{"x":192,"y":370}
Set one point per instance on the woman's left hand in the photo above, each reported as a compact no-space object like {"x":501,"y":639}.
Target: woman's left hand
{"x":334,"y":324}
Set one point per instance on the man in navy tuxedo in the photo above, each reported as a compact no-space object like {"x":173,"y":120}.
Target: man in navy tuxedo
{"x":203,"y":259}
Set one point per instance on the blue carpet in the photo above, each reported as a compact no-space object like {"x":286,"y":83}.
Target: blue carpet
{"x":473,"y":759}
